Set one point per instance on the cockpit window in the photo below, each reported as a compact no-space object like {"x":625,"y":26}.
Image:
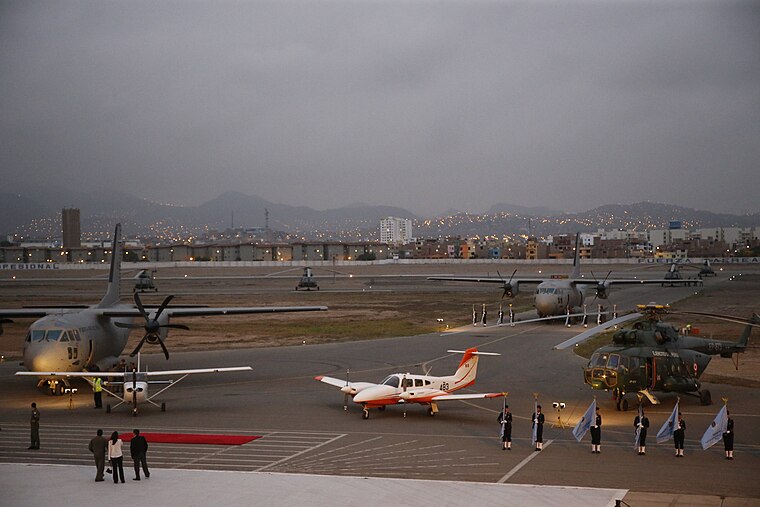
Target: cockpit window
{"x":53,"y":335}
{"x":407,"y":382}
{"x":391,"y":381}
{"x":599,"y":360}
{"x":28,"y":337}
{"x":65,"y":337}
{"x":38,"y":335}
{"x":612,"y":363}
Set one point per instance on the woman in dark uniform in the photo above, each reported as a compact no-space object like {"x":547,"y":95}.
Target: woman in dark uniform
{"x":596,"y":434}
{"x":728,"y":438}
{"x":505,"y":419}
{"x":678,"y":436}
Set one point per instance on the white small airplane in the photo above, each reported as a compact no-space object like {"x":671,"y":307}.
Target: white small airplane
{"x":134,"y":383}
{"x":79,"y":338}
{"x":559,"y":294}
{"x":402,"y":388}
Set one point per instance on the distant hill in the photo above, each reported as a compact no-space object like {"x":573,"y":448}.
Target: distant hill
{"x":37,"y":215}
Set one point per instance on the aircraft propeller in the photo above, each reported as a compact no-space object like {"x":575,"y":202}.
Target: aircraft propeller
{"x":152,"y":326}
{"x":601,"y":287}
{"x":508,"y":289}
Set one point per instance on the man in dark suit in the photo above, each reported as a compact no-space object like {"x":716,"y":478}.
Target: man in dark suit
{"x":138,"y":449}
{"x":98,"y":446}
{"x":34,"y":422}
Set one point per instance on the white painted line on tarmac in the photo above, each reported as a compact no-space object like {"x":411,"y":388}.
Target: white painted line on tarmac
{"x":301,"y":452}
{"x":522,"y":464}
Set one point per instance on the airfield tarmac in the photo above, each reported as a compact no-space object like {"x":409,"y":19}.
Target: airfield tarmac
{"x":306,"y":431}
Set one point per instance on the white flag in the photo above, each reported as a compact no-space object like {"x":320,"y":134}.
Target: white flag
{"x":586,"y":422}
{"x":666,"y":432}
{"x":715,"y":431}
{"x":534,"y":436}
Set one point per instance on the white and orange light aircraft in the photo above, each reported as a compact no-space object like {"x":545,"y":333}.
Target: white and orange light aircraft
{"x":402,"y":388}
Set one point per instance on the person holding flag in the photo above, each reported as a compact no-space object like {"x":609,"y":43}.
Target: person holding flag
{"x":591,"y":416}
{"x":728,"y":437}
{"x":679,"y":435}
{"x":641,"y":423}
{"x":596,"y":434}
{"x":538,"y":427}
{"x":505,"y":420}
{"x":717,"y":430}
{"x":669,"y":426}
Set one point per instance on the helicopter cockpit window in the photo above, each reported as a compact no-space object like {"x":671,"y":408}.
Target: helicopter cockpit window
{"x":624,"y":362}
{"x":613,"y":361}
{"x":599,"y":360}
{"x":391,"y":381}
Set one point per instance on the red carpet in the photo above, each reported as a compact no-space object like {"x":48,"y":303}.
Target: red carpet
{"x":191,"y":438}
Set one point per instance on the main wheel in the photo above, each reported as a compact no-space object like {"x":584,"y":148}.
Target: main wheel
{"x":625,"y":405}
{"x":365,"y":414}
{"x":705,"y":398}
{"x":431,"y":412}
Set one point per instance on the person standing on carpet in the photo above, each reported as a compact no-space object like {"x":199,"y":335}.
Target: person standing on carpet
{"x":117,"y":457}
{"x":138,"y":448}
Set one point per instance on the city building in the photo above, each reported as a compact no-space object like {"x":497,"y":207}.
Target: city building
{"x":395,"y":231}
{"x":72,"y":231}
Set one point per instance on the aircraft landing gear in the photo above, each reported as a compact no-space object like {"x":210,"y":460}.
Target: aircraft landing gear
{"x":432,"y":409}
{"x":365,"y":413}
{"x":705,"y":398}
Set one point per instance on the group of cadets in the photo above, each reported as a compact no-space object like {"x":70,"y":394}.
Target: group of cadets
{"x":505,"y":421}
{"x":640,"y":425}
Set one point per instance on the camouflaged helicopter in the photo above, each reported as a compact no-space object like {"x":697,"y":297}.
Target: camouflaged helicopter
{"x":653,"y":356}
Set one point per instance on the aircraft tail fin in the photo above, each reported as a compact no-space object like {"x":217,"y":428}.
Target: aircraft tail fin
{"x":468,"y":366}
{"x":577,"y":258}
{"x":744,"y":338}
{"x":114,"y":276}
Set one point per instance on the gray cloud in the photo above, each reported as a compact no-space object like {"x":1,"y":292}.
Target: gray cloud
{"x":425,"y":105}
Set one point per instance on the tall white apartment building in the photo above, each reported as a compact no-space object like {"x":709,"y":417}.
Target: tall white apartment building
{"x":396,"y":231}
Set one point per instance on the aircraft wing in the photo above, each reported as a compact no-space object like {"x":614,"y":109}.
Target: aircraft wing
{"x":200,"y":311}
{"x":514,"y":281}
{"x":127,"y":374}
{"x":24,"y":313}
{"x":90,"y":374}
{"x":354,"y":386}
{"x":628,"y":281}
{"x":194,"y":371}
{"x":473,"y":396}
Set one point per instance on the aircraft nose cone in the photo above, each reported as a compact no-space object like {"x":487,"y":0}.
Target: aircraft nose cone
{"x":38,"y":358}
{"x":545,"y":306}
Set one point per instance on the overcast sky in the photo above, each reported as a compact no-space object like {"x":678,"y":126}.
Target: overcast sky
{"x":424,"y":105}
